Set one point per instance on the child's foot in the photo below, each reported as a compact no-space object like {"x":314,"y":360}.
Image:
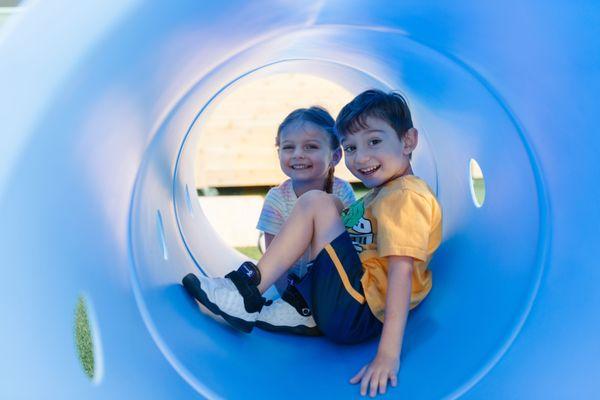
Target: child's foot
{"x":222,"y":296}
{"x":289,"y":314}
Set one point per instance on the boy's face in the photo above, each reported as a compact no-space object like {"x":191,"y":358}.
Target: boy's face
{"x":376,"y":155}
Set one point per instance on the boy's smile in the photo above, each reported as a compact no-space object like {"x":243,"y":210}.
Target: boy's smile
{"x":376,"y":155}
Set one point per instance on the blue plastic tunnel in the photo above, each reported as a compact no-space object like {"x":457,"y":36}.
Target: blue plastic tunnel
{"x":101,"y":104}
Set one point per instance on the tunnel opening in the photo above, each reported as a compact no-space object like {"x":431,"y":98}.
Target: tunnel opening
{"x":469,"y":314}
{"x":236,"y":157}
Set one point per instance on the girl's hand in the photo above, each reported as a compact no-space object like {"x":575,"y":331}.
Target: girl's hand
{"x":376,"y":374}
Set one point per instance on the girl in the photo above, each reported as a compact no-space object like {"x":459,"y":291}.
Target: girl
{"x":308,"y":151}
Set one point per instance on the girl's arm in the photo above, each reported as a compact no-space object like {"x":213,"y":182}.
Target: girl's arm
{"x":386,"y":363}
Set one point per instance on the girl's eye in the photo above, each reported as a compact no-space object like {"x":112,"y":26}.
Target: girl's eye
{"x":374,"y":142}
{"x":311,"y":147}
{"x":349,"y":149}
{"x":287,"y":148}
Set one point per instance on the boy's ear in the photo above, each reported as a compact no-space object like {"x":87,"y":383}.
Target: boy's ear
{"x":336,"y":157}
{"x":410,"y":141}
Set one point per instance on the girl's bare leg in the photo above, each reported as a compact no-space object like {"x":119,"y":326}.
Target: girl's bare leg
{"x":315,"y":221}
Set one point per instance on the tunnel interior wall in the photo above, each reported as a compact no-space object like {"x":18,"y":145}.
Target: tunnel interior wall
{"x":98,"y":120}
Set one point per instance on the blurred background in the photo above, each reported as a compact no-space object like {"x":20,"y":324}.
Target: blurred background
{"x":8,"y":8}
{"x":236,"y":159}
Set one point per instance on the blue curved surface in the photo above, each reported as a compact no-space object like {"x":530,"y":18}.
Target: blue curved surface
{"x":101,"y":106}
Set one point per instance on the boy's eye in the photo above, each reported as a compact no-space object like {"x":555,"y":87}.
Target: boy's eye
{"x":374,"y":142}
{"x":311,"y":147}
{"x":349,"y":148}
{"x":287,"y":148}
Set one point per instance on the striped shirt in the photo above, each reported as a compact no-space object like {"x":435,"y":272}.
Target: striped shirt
{"x":276,"y":209}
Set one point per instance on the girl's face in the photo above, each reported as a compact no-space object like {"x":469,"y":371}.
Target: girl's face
{"x":305,"y":153}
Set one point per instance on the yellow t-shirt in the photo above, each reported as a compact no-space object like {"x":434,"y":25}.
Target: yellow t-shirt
{"x":401,"y":218}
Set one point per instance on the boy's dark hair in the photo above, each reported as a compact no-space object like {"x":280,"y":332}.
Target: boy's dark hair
{"x":390,"y":107}
{"x":320,"y":117}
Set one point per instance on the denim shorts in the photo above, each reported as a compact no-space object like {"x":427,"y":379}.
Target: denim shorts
{"x":333,"y":291}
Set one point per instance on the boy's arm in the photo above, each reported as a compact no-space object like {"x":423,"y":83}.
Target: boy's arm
{"x":386,"y":363}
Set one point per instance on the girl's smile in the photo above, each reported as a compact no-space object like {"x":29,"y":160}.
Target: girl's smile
{"x":304,"y":152}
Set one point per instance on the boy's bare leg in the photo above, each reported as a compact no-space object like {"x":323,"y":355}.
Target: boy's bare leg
{"x":315,"y":221}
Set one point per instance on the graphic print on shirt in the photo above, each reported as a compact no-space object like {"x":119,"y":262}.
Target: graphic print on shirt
{"x":359,"y":228}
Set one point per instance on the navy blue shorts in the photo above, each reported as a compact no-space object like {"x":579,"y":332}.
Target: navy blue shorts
{"x":333,"y":291}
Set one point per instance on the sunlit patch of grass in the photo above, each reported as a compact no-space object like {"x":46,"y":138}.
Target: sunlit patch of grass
{"x":251,"y":251}
{"x":83,"y":338}
{"x":479,"y":189}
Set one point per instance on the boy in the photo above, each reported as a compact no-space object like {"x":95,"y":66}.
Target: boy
{"x":369,"y":262}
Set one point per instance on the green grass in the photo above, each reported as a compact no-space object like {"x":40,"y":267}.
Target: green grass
{"x":251,"y":251}
{"x":83,"y":338}
{"x":479,"y":189}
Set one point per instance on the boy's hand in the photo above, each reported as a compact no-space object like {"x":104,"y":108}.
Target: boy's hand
{"x":386,"y":364}
{"x":376,"y":374}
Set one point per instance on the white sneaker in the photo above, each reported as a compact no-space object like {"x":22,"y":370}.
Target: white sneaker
{"x":290,"y":314}
{"x":221,"y":297}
